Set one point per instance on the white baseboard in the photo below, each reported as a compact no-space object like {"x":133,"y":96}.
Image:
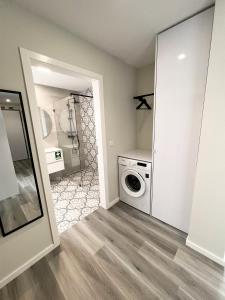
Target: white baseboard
{"x":112,"y":203}
{"x":27,"y":265}
{"x":205,"y":252}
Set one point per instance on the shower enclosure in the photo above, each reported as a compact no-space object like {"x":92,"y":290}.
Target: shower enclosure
{"x":75,"y":125}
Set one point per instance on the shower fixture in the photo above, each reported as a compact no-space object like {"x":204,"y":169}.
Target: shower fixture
{"x":72,"y":133}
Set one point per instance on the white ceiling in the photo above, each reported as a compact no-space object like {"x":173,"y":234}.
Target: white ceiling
{"x":123,"y":28}
{"x":46,"y":75}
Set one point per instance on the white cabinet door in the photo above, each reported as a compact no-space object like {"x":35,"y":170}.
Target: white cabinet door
{"x":181,"y":72}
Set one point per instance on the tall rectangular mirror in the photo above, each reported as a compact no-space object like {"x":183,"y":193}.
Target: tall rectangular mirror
{"x":19,"y":196}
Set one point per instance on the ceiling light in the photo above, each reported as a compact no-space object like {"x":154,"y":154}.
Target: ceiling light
{"x":43,"y":69}
{"x":181,"y":56}
{"x":7,"y":100}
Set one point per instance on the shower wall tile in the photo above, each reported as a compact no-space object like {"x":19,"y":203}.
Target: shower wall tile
{"x":79,"y":132}
{"x":88,"y":131}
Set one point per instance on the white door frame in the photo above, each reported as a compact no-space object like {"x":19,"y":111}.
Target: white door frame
{"x":97,"y":83}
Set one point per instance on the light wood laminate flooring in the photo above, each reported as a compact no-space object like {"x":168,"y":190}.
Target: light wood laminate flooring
{"x":120,"y":254}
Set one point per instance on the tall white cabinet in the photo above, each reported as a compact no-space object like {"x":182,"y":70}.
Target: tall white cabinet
{"x":181,"y":72}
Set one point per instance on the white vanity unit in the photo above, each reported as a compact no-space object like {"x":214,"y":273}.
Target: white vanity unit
{"x":54,"y":159}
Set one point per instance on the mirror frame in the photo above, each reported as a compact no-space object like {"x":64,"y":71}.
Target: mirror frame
{"x":4,"y":234}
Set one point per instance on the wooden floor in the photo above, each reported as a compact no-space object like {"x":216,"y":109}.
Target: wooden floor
{"x":24,"y":207}
{"x":120,"y":254}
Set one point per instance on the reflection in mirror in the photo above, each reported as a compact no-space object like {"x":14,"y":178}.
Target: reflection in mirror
{"x":46,"y":122}
{"x":19,"y":197}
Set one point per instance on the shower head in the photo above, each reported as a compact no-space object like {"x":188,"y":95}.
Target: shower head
{"x":74,"y":98}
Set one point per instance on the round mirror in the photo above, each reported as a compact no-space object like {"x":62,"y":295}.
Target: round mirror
{"x":46,"y":122}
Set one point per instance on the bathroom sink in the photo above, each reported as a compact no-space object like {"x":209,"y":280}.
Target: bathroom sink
{"x":52,"y":149}
{"x":70,"y":146}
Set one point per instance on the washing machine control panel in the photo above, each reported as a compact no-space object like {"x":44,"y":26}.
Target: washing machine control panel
{"x":137,"y":164}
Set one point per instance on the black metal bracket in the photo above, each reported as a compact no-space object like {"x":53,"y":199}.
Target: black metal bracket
{"x":76,"y":94}
{"x":143,"y":101}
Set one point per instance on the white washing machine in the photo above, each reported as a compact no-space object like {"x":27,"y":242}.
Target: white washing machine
{"x":135,"y":179}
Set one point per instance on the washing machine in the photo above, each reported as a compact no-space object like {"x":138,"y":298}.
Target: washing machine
{"x":135,"y":179}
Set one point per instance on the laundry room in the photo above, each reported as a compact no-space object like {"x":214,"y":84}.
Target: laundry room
{"x":112,"y":149}
{"x":157,"y":177}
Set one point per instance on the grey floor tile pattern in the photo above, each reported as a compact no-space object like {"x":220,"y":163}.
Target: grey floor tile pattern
{"x":75,"y":196}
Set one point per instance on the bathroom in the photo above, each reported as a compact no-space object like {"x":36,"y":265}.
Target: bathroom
{"x":67,"y":118}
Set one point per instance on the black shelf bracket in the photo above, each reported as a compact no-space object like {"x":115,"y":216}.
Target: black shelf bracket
{"x":143,"y":101}
{"x":76,"y":94}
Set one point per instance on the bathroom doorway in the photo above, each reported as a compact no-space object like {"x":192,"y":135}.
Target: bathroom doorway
{"x":69,"y":115}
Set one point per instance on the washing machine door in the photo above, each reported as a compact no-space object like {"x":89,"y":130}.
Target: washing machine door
{"x":133,"y":183}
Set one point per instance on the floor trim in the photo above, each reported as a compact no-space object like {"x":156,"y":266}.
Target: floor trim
{"x":27,"y":265}
{"x":205,"y":252}
{"x":112,"y":203}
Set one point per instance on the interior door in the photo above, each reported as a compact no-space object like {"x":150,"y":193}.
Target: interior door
{"x":15,"y":133}
{"x":181,"y":72}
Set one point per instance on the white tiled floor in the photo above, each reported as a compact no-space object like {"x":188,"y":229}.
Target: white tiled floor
{"x":75,"y":196}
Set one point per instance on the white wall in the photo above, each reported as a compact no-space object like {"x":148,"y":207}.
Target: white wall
{"x":46,"y":97}
{"x":19,"y":28}
{"x":145,"y":85}
{"x":207,"y":229}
